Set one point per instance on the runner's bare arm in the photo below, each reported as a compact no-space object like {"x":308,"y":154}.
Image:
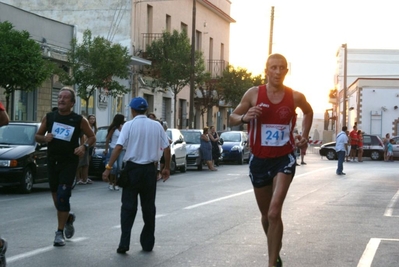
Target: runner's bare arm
{"x":302,"y":103}
{"x":246,"y":109}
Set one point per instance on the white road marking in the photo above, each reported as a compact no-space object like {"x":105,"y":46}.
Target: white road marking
{"x":318,"y":170}
{"x":371,"y":249}
{"x":217,"y":199}
{"x":39,"y":251}
{"x":389,"y":209}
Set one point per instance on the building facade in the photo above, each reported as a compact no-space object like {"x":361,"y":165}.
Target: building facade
{"x":135,"y":23}
{"x":54,"y":38}
{"x":212,"y":38}
{"x":370,"y":98}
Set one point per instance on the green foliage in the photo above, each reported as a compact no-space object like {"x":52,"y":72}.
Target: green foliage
{"x":235,"y":82}
{"x":22,"y":66}
{"x":171,"y":62}
{"x":95,"y":63}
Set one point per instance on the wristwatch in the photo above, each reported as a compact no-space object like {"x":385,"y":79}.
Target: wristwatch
{"x":86,"y":146}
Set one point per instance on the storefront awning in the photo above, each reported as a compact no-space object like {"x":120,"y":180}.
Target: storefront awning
{"x":139,"y":61}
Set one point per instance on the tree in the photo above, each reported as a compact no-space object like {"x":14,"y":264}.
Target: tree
{"x":171,"y":61}
{"x":22,"y":66}
{"x":235,"y":82}
{"x":94,"y":64}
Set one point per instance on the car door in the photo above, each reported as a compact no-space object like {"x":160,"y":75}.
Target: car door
{"x":396,"y":147}
{"x":244,"y":138}
{"x":179,"y":146}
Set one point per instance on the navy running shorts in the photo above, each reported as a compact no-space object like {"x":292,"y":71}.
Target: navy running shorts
{"x":263,"y":171}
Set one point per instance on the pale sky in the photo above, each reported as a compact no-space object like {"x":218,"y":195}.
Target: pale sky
{"x":309,"y":33}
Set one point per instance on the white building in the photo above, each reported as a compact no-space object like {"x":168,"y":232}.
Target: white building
{"x":372,"y":90}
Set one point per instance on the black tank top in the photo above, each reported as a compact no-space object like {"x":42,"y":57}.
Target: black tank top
{"x":64,"y":149}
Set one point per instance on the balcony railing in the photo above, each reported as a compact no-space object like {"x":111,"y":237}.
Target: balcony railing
{"x":148,"y":38}
{"x":216,"y":67}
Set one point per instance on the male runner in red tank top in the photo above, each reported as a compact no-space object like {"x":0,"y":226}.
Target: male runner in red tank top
{"x":270,"y":112}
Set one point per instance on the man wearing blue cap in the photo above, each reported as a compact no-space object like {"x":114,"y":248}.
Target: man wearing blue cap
{"x":145,"y":141}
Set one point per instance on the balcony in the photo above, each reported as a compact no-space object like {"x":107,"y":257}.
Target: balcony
{"x":216,"y":67}
{"x":148,"y":38}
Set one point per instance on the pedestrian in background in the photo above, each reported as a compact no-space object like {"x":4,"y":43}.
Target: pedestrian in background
{"x":61,"y":130}
{"x":386,"y":142}
{"x":206,"y":148}
{"x":144,"y":140}
{"x":82,"y":173}
{"x":215,"y":145}
{"x":360,"y":146}
{"x":270,"y":112}
{"x":110,"y":142}
{"x":354,"y":143}
{"x":4,"y":120}
{"x":341,"y":147}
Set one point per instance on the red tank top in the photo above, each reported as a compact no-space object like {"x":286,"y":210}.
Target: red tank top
{"x":271,"y":135}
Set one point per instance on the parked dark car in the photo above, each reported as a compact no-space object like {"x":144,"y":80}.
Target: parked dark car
{"x":97,"y":162}
{"x":235,"y":146}
{"x":23,"y":161}
{"x":372,"y":147}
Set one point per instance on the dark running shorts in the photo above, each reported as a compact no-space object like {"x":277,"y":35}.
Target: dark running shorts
{"x":61,"y":172}
{"x":263,"y":171}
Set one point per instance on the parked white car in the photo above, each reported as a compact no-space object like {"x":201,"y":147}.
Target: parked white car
{"x":178,"y":150}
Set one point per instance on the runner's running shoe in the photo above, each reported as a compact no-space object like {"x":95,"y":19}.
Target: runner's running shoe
{"x":59,"y":240}
{"x":279,"y":262}
{"x":69,"y":229}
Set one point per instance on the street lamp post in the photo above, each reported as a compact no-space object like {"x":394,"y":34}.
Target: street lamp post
{"x":192,"y":89}
{"x":344,"y":46}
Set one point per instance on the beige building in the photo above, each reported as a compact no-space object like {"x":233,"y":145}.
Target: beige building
{"x":212,"y":37}
{"x":135,"y":23}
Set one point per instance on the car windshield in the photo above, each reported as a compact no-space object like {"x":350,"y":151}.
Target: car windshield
{"x":101,"y":135}
{"x":18,"y":134}
{"x":191,"y":137}
{"x":231,"y":137}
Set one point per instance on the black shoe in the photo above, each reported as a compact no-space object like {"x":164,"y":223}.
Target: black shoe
{"x":342,"y":173}
{"x":122,"y":250}
{"x":3,"y":250}
{"x":279,"y":262}
{"x":69,"y":228}
{"x":298,"y":164}
{"x":303,"y":163}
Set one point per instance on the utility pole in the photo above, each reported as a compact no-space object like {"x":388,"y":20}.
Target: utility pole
{"x":192,"y":89}
{"x":270,"y":37}
{"x":271,"y":31}
{"x":345,"y":47}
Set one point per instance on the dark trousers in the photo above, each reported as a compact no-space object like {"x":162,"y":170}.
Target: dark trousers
{"x":143,"y":181}
{"x":341,"y":158}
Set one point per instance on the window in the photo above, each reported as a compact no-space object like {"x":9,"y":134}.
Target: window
{"x":198,"y":40}
{"x":149,"y":18}
{"x":168,"y":23}
{"x":184,"y":27}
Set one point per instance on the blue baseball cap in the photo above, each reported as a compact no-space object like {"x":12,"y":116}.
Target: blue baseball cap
{"x":139,"y":103}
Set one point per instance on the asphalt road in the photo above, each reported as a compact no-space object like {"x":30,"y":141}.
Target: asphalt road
{"x":211,"y":219}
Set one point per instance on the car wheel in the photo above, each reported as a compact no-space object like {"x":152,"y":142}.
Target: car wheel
{"x":183,"y":168}
{"x":27,"y":181}
{"x":375,"y":155}
{"x":331,"y":154}
{"x":241,"y":160}
{"x":173,"y":166}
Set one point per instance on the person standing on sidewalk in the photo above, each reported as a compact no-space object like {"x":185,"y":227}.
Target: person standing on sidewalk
{"x":270,"y":112}
{"x":4,"y":120}
{"x":354,"y":144}
{"x":144,"y":140}
{"x":64,"y":128}
{"x":341,"y":147}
